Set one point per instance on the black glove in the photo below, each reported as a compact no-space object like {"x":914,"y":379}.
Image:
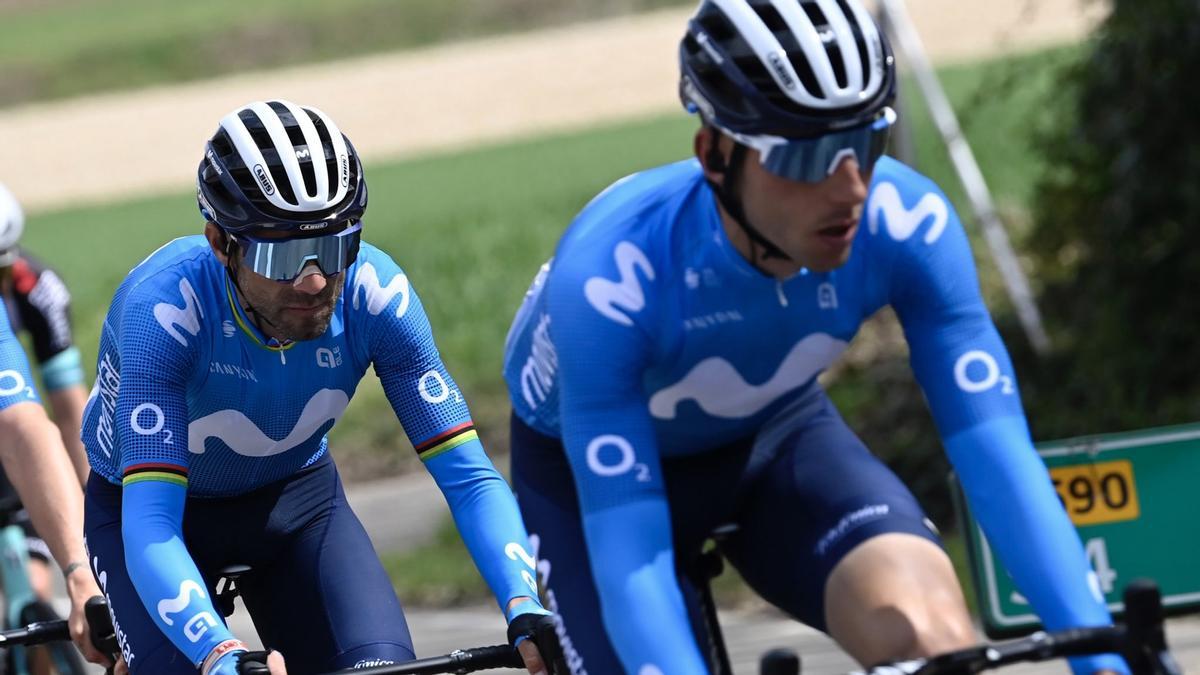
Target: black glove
{"x":542,"y":630}
{"x":253,"y":663}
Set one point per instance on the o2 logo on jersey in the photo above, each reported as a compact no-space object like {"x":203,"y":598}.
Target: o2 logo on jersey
{"x":17,"y":386}
{"x":969,"y":368}
{"x":156,"y":418}
{"x":515,"y":551}
{"x":601,"y":463}
{"x":615,"y":299}
{"x":198,"y":624}
{"x":902,"y":222}
{"x":187,"y":317}
{"x":329,"y":358}
{"x":433,"y":388}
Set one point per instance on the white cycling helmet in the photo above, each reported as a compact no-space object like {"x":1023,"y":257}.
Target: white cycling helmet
{"x":12,"y":224}
{"x":279,"y":166}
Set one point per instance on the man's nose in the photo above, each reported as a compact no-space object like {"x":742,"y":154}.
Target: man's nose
{"x":846,"y":183}
{"x":311,"y":280}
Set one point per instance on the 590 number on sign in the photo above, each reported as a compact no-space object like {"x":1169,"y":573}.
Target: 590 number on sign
{"x":1097,"y":493}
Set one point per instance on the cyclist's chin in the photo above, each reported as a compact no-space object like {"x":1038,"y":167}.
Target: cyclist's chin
{"x":299,"y":325}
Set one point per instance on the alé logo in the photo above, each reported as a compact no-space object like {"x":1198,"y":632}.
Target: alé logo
{"x":173,"y":317}
{"x":901,"y":221}
{"x":617,"y":299}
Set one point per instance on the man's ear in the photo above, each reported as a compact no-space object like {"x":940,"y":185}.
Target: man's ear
{"x":218,"y":239}
{"x":707,"y":146}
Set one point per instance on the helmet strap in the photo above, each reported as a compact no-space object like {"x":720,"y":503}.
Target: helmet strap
{"x":731,"y":201}
{"x":230,"y":254}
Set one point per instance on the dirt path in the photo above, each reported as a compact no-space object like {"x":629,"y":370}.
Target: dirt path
{"x":110,"y":147}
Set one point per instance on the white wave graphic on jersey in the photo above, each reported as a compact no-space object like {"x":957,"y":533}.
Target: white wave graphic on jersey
{"x":611,"y":297}
{"x":187,"y":317}
{"x":378,"y":296}
{"x":902,"y":222}
{"x":721,"y":391}
{"x":243,"y":436}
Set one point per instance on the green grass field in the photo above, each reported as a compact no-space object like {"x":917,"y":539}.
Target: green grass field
{"x":471,"y":229}
{"x":56,"y":48}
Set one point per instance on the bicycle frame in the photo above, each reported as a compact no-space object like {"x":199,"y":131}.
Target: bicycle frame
{"x":14,"y":577}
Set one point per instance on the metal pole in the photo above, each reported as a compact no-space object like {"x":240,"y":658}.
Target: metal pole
{"x":909,"y":44}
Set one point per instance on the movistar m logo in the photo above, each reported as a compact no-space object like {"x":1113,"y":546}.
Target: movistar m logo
{"x":902,"y":222}
{"x":721,"y":391}
{"x":244,"y":437}
{"x":616,"y":300}
{"x":378,"y":296}
{"x":187,"y":317}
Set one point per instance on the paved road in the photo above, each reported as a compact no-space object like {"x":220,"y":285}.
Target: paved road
{"x":128,"y":144}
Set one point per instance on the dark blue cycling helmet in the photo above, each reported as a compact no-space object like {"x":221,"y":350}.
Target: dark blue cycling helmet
{"x":791,"y":68}
{"x":276,"y":165}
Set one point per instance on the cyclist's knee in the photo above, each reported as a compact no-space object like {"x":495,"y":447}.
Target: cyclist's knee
{"x":896,"y":597}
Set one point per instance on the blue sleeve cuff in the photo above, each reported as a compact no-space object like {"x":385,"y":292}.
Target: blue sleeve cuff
{"x":64,"y":369}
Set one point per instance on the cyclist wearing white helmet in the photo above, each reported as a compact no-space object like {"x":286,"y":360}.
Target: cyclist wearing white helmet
{"x":223,"y":363}
{"x":663,"y":370}
{"x":34,"y":459}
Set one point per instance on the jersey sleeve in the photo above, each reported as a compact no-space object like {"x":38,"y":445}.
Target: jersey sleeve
{"x":597,"y":318}
{"x":158,"y":348}
{"x":968,"y":379}
{"x":16,"y":382}
{"x":45,"y":307}
{"x":434,"y":414}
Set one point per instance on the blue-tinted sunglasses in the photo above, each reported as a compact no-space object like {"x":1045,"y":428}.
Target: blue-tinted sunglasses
{"x":813,"y":159}
{"x":283,"y":259}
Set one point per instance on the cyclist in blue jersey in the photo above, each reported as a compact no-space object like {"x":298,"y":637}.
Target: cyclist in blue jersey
{"x":34,"y":459}
{"x":223,"y":363}
{"x":663,"y":371}
{"x":38,"y":304}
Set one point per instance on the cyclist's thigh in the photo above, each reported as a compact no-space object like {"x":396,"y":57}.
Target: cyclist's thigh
{"x":326,"y":602}
{"x":146,"y":649}
{"x":823,"y":495}
{"x":549,"y":505}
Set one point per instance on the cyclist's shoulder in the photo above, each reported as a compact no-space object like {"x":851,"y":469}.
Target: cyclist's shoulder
{"x":641,"y":210}
{"x":183,"y":277}
{"x":905,"y":210}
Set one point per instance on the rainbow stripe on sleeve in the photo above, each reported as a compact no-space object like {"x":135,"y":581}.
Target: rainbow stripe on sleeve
{"x":169,"y":473}
{"x":446,"y":441}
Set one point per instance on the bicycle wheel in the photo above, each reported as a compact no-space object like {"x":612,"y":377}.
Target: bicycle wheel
{"x":66,"y":658}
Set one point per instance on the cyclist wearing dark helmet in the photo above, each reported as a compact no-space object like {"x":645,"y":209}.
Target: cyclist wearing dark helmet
{"x":223,"y":363}
{"x":663,"y":370}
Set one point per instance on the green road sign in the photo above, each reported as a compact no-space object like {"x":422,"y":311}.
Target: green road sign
{"x":1135,"y":500}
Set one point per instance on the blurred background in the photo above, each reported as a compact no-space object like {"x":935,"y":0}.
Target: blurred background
{"x":486,"y":124}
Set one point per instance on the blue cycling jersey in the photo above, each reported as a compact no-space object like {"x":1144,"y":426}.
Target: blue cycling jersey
{"x":16,"y":382}
{"x":190,"y":399}
{"x":648,"y":335}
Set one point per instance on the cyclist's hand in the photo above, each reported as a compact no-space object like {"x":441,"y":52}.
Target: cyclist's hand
{"x":260,"y":663}
{"x":533,"y":633}
{"x":80,"y":587}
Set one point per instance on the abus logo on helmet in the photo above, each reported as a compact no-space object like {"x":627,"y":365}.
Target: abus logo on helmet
{"x":264,"y":180}
{"x":781,"y":70}
{"x":345,"y":171}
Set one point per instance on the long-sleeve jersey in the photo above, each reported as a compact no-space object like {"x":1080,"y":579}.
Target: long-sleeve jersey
{"x":648,"y":336}
{"x":191,"y":400}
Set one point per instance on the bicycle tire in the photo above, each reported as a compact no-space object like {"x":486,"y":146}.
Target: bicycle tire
{"x":66,"y":658}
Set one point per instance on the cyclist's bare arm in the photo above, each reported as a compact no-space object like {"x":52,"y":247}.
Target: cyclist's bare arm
{"x":68,"y":404}
{"x":37,"y":465}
